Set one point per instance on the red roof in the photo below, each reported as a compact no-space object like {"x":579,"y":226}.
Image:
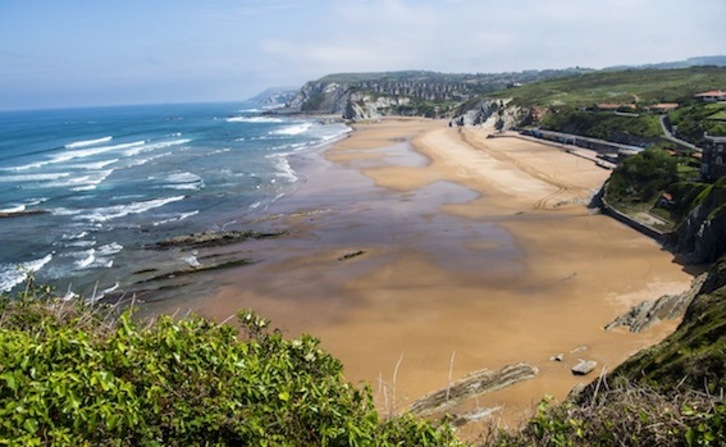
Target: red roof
{"x":665,"y":106}
{"x":712,"y":93}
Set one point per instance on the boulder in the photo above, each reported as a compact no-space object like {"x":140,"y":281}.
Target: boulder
{"x":584,"y":367}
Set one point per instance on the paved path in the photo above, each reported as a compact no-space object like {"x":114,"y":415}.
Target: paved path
{"x":670,"y":136}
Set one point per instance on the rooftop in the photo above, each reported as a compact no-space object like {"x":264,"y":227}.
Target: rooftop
{"x":712,"y":93}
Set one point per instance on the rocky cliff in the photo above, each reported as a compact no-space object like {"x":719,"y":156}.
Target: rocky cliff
{"x":501,"y":113}
{"x":701,"y":236}
{"x":273,"y":97}
{"x":361,"y":96}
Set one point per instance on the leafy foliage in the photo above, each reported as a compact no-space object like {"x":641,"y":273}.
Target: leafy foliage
{"x":605,"y":126}
{"x":642,"y":176}
{"x":71,"y":375}
{"x":694,"y":120}
{"x":631,"y":416}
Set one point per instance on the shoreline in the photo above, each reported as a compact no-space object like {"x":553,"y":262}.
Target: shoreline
{"x":474,"y":250}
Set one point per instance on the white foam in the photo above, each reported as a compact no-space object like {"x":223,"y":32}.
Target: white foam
{"x":34,"y":177}
{"x":82,"y":183}
{"x":85,"y":143}
{"x":113,"y":212}
{"x":89,"y":256}
{"x":152,"y":147}
{"x":143,"y":161}
{"x":102,"y":293}
{"x":95,"y":166}
{"x":71,"y":237}
{"x":81,"y":243}
{"x":284,"y":170}
{"x":296,"y":129}
{"x":182,"y":216}
{"x":253,"y":119}
{"x":192,"y":261}
{"x":13,"y":274}
{"x":72,"y":155}
{"x":13,"y":209}
{"x":184,"y":181}
{"x":110,"y":249}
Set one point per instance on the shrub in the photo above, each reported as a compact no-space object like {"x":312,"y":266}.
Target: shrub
{"x":72,"y":375}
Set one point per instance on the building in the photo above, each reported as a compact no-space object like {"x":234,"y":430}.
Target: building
{"x":713,"y":161}
{"x":663,"y":107}
{"x":711,"y":96}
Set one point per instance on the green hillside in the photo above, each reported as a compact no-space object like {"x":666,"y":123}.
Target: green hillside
{"x":627,"y":87}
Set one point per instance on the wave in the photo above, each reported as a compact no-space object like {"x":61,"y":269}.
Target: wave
{"x":34,"y":177}
{"x":184,"y":181}
{"x":100,"y":295}
{"x":85,"y":143}
{"x":155,"y":146}
{"x":253,"y":119}
{"x":13,"y":274}
{"x":83,"y":183}
{"x":89,"y":257}
{"x":143,"y":161}
{"x":13,"y":209}
{"x":110,"y":249}
{"x":182,"y":216}
{"x":70,"y":237}
{"x":105,"y":214}
{"x":296,"y":129}
{"x":284,"y":170}
{"x":95,"y":166}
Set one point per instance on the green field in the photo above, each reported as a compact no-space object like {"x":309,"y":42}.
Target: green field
{"x":642,"y":87}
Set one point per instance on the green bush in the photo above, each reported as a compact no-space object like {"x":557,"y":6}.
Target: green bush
{"x":70,"y":375}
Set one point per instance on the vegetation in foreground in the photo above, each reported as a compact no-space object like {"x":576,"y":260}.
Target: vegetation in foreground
{"x":72,"y":375}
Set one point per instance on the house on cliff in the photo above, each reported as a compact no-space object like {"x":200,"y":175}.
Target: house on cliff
{"x":711,"y":96}
{"x":713,"y":161}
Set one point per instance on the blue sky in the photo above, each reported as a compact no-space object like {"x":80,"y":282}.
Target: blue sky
{"x":58,"y":53}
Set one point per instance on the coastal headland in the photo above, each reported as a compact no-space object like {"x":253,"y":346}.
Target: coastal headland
{"x":419,"y":254}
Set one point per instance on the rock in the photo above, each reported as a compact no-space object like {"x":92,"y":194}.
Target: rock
{"x":213,"y":238}
{"x":584,"y":367}
{"x":476,"y":384}
{"x":666,"y":307}
{"x":578,"y":350}
{"x":10,"y":214}
{"x":558,"y":358}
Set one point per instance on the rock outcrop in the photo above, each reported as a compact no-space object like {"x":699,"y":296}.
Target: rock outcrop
{"x":475,"y":384}
{"x":364,"y":96}
{"x":667,"y":307}
{"x":701,"y":237}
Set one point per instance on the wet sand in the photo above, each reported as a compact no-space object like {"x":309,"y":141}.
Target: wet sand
{"x":477,"y":250}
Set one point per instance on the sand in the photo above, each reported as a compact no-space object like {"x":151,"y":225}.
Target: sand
{"x":478,"y":253}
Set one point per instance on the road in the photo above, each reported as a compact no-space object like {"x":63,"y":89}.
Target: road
{"x":670,"y":136}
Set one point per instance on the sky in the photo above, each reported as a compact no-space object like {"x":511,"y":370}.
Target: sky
{"x":71,"y":53}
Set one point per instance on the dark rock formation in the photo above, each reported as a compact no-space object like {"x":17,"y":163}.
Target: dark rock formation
{"x":584,"y":367}
{"x":7,"y":215}
{"x":701,"y":237}
{"x":475,"y":384}
{"x":650,"y":312}
{"x":213,"y":238}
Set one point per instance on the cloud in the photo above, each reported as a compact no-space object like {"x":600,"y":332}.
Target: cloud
{"x":453,"y":35}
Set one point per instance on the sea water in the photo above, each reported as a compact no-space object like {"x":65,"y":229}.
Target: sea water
{"x":110,"y":181}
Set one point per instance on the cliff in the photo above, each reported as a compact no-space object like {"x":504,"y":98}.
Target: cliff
{"x":362,"y":96}
{"x":701,"y":236}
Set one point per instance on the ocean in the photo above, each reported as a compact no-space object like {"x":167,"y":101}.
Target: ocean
{"x":107,"y":182}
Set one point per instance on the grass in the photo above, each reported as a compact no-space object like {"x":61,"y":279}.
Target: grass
{"x":630,"y":86}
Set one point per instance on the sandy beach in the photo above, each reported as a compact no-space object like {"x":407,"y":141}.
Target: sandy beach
{"x":476,"y":253}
